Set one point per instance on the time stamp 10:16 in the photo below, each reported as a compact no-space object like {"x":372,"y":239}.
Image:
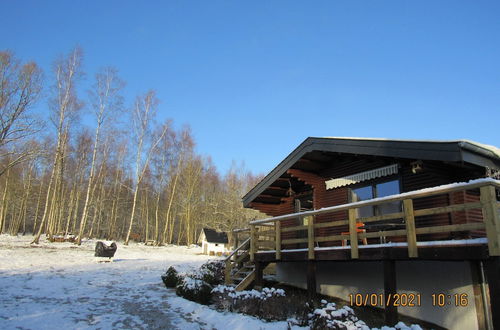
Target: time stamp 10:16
{"x":408,"y":299}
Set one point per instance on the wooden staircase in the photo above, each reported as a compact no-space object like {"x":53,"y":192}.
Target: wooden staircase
{"x":240,"y":271}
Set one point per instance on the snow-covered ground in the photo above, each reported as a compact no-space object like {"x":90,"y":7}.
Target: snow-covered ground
{"x":60,"y":285}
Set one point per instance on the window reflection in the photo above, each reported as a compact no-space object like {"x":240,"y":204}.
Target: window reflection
{"x":387,"y":189}
{"x":371,"y":191}
{"x":363,"y":194}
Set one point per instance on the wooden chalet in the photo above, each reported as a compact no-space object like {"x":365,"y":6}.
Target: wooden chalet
{"x":354,"y":216}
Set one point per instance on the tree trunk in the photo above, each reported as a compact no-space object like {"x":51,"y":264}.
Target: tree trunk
{"x":3,"y":211}
{"x":83,"y":219}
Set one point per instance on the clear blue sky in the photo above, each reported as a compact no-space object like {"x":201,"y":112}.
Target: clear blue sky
{"x":255,"y":78}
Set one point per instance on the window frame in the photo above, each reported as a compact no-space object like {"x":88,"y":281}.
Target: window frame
{"x":373,"y":183}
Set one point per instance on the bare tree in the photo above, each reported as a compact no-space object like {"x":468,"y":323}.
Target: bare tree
{"x":20,"y":88}
{"x":143,"y":116}
{"x":65,"y":106}
{"x":106,"y":101}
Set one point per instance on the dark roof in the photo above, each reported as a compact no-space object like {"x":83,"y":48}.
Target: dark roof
{"x":213,"y":236}
{"x":460,"y":151}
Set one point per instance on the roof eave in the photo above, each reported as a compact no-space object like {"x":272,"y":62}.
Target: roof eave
{"x":454,"y":151}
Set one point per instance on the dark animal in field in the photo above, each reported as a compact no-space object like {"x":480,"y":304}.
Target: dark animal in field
{"x":102,"y":250}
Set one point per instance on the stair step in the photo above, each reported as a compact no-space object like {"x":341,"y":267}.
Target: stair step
{"x":241,"y":273}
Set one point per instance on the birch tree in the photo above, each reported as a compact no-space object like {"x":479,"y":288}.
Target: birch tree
{"x":65,"y":105}
{"x":143,"y":116}
{"x":106,"y":102}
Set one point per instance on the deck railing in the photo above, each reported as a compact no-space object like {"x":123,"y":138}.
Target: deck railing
{"x":267,"y":234}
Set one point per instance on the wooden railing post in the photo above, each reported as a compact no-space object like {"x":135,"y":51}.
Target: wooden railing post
{"x":411,"y":234}
{"x":491,"y":219}
{"x":310,"y":237}
{"x":353,"y":233}
{"x":277,"y":226}
{"x":253,"y":242}
{"x":227,"y":272}
{"x":236,"y":239}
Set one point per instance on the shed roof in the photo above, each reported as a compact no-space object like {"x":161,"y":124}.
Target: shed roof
{"x":213,"y":236}
{"x":458,"y":151}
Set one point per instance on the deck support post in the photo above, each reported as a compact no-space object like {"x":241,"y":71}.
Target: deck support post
{"x":491,"y":218}
{"x":311,"y":279}
{"x":277,"y":240}
{"x":411,"y":236}
{"x":227,"y":272}
{"x":480,"y":295}
{"x":236,"y":239}
{"x":259,"y":271}
{"x":310,"y":237}
{"x":492,"y":269}
{"x":390,"y":289}
{"x":253,"y":242}
{"x":353,"y":233}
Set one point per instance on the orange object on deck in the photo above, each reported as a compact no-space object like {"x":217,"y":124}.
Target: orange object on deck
{"x":358,"y":230}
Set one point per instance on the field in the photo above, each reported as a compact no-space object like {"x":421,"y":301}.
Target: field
{"x":60,"y":285}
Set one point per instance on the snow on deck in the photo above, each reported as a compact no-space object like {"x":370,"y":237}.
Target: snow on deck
{"x":462,"y":242}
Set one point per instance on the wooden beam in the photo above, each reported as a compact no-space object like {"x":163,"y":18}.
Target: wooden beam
{"x":451,"y":228}
{"x":259,"y":270}
{"x":331,"y":238}
{"x":241,"y":257}
{"x":227,"y":272}
{"x":267,"y":233}
{"x":253,"y":242}
{"x":390,"y":289}
{"x":310,"y":237}
{"x":277,"y":240}
{"x":492,"y":269}
{"x":454,"y":252}
{"x":491,"y":218}
{"x":478,"y":284}
{"x":311,"y":279}
{"x":331,"y":224}
{"x":390,"y":216}
{"x":353,"y":234}
{"x":448,"y":209}
{"x":295,"y":228}
{"x":266,"y":244}
{"x":294,"y":240}
{"x":246,"y":282}
{"x":411,"y":235}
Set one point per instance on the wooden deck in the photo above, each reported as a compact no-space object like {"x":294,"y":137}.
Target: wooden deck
{"x":469,"y":251}
{"x":478,"y":241}
{"x":268,"y":242}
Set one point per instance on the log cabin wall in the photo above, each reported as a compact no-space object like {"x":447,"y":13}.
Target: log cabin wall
{"x":433,"y":174}
{"x":436,"y":174}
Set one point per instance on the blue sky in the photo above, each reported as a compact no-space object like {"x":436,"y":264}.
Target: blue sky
{"x":255,"y":78}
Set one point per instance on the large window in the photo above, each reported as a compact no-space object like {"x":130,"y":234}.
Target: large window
{"x":375,"y":190}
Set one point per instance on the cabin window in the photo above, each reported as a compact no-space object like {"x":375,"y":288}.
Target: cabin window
{"x":376,"y":190}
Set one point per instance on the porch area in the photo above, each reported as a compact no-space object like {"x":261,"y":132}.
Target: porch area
{"x":389,"y":238}
{"x":399,"y":235}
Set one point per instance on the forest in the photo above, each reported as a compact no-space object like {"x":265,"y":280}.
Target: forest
{"x":125,"y":176}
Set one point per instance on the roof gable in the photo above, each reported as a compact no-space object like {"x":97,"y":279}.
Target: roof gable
{"x":446,"y":151}
{"x":213,"y":236}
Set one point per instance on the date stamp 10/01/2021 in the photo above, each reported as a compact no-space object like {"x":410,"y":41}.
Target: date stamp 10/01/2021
{"x":407,"y":299}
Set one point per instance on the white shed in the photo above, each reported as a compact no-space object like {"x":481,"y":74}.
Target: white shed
{"x":213,"y":242}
